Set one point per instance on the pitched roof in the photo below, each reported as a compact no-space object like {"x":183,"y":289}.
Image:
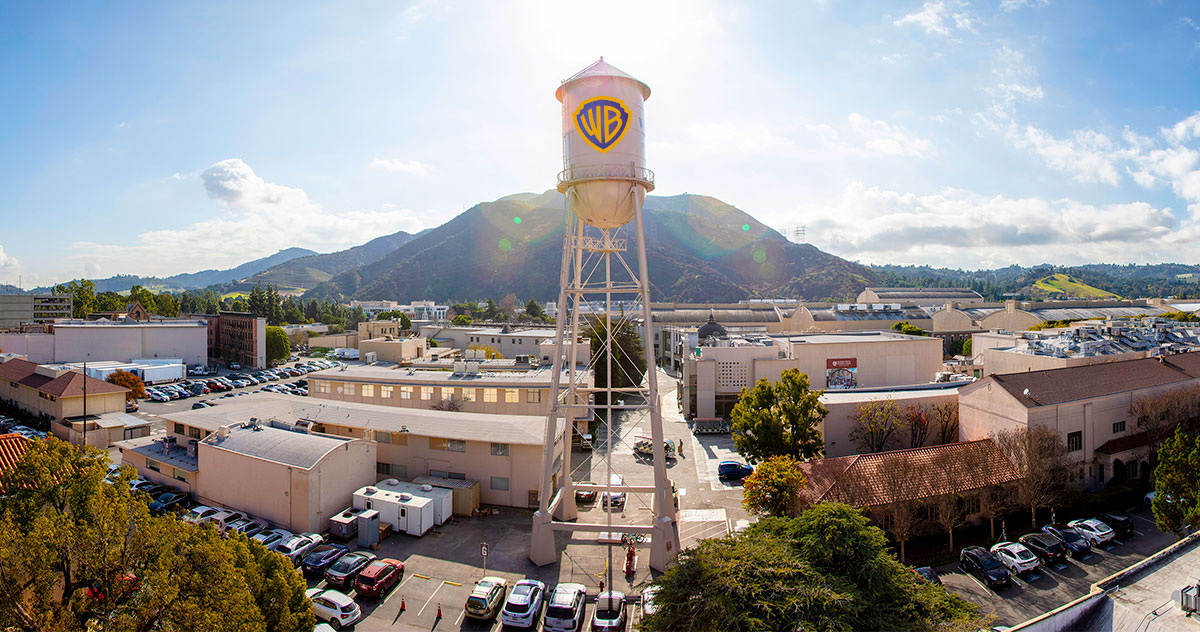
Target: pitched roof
{"x":12,"y":448}
{"x":867,"y":479}
{"x":1056,"y":386}
{"x":272,"y":444}
{"x":1127,"y":442}
{"x":69,"y":384}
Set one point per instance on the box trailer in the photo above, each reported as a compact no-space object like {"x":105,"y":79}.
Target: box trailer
{"x":405,"y":512}
{"x":443,"y":498}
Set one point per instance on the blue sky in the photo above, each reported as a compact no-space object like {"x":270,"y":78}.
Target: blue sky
{"x":156,"y":138}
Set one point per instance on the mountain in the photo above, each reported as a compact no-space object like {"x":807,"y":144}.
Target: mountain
{"x":194,"y":280}
{"x":698,"y":249}
{"x":10,"y":289}
{"x":1099,"y":279}
{"x":1065,"y":285}
{"x":308,"y":272}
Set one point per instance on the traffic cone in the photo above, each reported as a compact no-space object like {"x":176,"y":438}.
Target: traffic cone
{"x":402,"y":608}
{"x":439,"y":615}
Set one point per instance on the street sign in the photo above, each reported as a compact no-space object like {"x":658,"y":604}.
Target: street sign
{"x":483,"y":549}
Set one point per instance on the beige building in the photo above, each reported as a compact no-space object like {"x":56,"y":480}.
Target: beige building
{"x":80,"y":340}
{"x":713,"y":379}
{"x":370,"y":329}
{"x":1090,"y":407}
{"x":290,"y":477}
{"x":503,"y":453}
{"x":509,"y":341}
{"x":55,"y":392}
{"x":17,"y":309}
{"x":919,"y":295}
{"x":839,"y":423}
{"x":391,"y":349}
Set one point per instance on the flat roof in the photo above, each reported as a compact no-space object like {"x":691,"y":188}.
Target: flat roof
{"x":266,"y":406}
{"x":852,"y":337}
{"x":151,"y":448}
{"x":851,"y":396}
{"x":405,"y":375}
{"x":297,"y":449}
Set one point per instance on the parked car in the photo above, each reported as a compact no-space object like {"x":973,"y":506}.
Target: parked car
{"x":169,"y":501}
{"x":523,"y":607}
{"x":334,"y":607}
{"x":343,"y":572}
{"x":733,"y":471}
{"x":271,"y":537}
{"x":1121,"y":524}
{"x":222,"y":519}
{"x":1096,"y":532}
{"x":1015,"y":557}
{"x":1045,"y":546}
{"x":131,"y":406}
{"x":486,"y":598}
{"x":149,"y":488}
{"x":298,"y":546}
{"x":320,"y":557}
{"x":200,"y":514}
{"x":249,"y":527}
{"x":928,"y":574}
{"x":618,"y":498}
{"x":980,"y":562}
{"x":610,"y":612}
{"x":157,"y":396}
{"x":586,"y":496}
{"x":234,"y":366}
{"x":1072,"y":539}
{"x":378,"y":577}
{"x":565,"y":608}
{"x":201,"y":405}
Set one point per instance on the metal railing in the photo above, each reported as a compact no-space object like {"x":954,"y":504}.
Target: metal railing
{"x":631,"y":173}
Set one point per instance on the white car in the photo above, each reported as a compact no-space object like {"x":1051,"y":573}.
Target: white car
{"x":157,"y":396}
{"x":297,"y":546}
{"x":610,"y":611}
{"x":272,"y":537}
{"x":618,"y":498}
{"x":524,"y":605}
{"x":565,"y":608}
{"x":1092,"y":530}
{"x":1016,"y":557}
{"x":333,"y":606}
{"x":200,"y":514}
{"x":225,"y":517}
{"x":248,"y":527}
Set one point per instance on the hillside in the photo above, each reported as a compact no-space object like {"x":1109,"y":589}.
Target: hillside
{"x":194,"y":280}
{"x":698,"y":249}
{"x":1065,"y":285}
{"x":1147,"y":280}
{"x":308,"y":272}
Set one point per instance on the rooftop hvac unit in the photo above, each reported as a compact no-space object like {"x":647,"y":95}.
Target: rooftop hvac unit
{"x":844,"y":307}
{"x":460,"y":368}
{"x":862,"y":307}
{"x":1186,"y":598}
{"x":472,"y":367}
{"x":391,"y":482}
{"x":875,"y":307}
{"x":192,"y":448}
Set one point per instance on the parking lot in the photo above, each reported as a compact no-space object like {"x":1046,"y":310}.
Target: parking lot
{"x":1047,"y":588}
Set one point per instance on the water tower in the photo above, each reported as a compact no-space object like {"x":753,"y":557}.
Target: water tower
{"x":605,"y":181}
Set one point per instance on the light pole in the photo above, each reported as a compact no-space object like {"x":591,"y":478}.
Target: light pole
{"x":85,"y":398}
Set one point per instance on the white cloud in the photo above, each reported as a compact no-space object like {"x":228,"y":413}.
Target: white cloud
{"x":883,"y":226}
{"x":1087,"y":155}
{"x":1013,"y":5}
{"x":411,"y":167}
{"x":6,"y":260}
{"x":885,"y":139}
{"x":936,"y":18}
{"x":259,"y":218}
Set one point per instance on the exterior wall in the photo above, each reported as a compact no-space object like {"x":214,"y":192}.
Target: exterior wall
{"x":334,"y":340}
{"x":353,"y":392}
{"x":32,"y":401}
{"x":838,"y":424}
{"x":121,"y":342}
{"x":241,"y":338}
{"x":35,"y":347}
{"x":1010,"y":318}
{"x":378,"y":329}
{"x":32,"y":308}
{"x":1001,"y":361}
{"x":397,"y":351}
{"x":951,"y":319}
{"x":298,"y":499}
{"x":408,"y":456}
{"x":165,"y":476}
{"x":802,"y":320}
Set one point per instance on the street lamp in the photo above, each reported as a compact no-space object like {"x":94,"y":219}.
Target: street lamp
{"x":85,"y":376}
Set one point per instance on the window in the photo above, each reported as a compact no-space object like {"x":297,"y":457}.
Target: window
{"x":500,"y":449}
{"x":456,"y":445}
{"x":468,"y":394}
{"x":368,"y":390}
{"x":322,"y":387}
{"x":194,"y":433}
{"x":384,"y":469}
{"x":499,"y":483}
{"x":426,"y":392}
{"x":348,"y":389}
{"x":456,"y":475}
{"x":180,"y":475}
{"x":511,"y":396}
{"x":180,"y":428}
{"x":439,"y":473}
{"x":1074,"y":441}
{"x":399,"y":471}
{"x":437,"y":444}
{"x":152,"y":465}
{"x":1099,"y":472}
{"x":385,"y":391}
{"x":533,"y":396}
{"x":1119,"y":427}
{"x":383,"y":437}
{"x":405,"y":392}
{"x":489,"y":395}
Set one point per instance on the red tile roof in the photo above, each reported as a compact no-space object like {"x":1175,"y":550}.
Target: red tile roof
{"x":12,"y":448}
{"x":867,"y":479}
{"x":1128,"y":442}
{"x":69,"y":384}
{"x":1057,"y":386}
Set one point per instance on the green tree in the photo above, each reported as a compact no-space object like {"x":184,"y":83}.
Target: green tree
{"x":110,"y":302}
{"x":83,"y":296}
{"x":827,"y":569}
{"x":405,"y":321}
{"x":774,"y":487}
{"x":145,"y":297}
{"x":166,"y":305}
{"x":779,"y":419}
{"x":278,"y":348}
{"x":628,"y":357}
{"x":461,"y":320}
{"x":905,"y":328}
{"x":534,"y":310}
{"x":967,"y":346}
{"x":1176,"y":485}
{"x":876,"y":423}
{"x":137,"y":389}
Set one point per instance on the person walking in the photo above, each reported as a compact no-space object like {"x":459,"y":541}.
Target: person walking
{"x":681,"y":448}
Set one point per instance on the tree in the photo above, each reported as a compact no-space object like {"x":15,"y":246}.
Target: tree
{"x":1176,"y":486}
{"x":948,"y":508}
{"x":141,"y":295}
{"x":628,"y":357}
{"x":911,"y":330}
{"x":491,"y":311}
{"x":64,"y":533}
{"x":876,"y":422}
{"x":901,"y":489}
{"x":137,"y":389}
{"x":508,"y":304}
{"x":166,"y":305}
{"x":450,"y":404}
{"x":1047,"y":471}
{"x":83,"y":296}
{"x":916,"y":418}
{"x":461,"y":320}
{"x":404,"y":321}
{"x":967,"y":346}
{"x":534,"y":310}
{"x":827,"y":569}
{"x":944,"y":421}
{"x":277,"y":345}
{"x":780,"y":419}
{"x":774,"y":487}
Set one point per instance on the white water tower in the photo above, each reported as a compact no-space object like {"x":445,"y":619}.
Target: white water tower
{"x":605,"y":181}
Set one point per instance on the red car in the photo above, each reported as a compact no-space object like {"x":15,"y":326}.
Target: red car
{"x":378,"y":577}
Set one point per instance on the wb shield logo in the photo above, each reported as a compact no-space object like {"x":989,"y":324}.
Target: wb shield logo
{"x":602,"y":122}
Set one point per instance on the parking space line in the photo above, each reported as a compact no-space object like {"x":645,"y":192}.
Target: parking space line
{"x":1146,"y":520}
{"x":431,"y":596}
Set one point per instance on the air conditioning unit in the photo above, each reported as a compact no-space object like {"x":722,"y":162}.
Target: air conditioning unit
{"x":192,"y":448}
{"x":1186,"y":597}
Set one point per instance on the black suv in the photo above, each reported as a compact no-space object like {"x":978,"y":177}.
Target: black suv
{"x":979,"y":562}
{"x":1072,"y":539}
{"x":1047,"y":547}
{"x":1121,"y":524}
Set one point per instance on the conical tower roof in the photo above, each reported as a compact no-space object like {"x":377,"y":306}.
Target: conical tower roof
{"x":600,"y":68}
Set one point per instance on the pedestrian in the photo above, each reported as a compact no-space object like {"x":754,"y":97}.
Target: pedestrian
{"x":681,"y":448}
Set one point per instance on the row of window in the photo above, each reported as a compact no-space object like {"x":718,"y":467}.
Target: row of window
{"x":177,"y":474}
{"x":426,"y":393}
{"x":1075,"y":439}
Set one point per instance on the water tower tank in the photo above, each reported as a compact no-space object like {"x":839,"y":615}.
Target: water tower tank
{"x":604,"y":144}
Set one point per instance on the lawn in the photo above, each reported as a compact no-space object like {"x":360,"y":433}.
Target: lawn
{"x":1064,"y":284}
